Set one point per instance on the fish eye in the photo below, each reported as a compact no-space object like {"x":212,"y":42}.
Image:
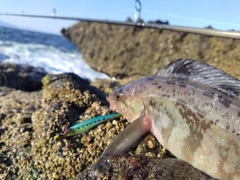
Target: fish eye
{"x":119,"y":97}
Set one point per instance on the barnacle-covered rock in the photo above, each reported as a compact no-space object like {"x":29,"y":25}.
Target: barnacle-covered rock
{"x":122,"y":51}
{"x":141,"y":167}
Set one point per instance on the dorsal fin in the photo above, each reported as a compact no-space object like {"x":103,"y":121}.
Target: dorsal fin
{"x":202,"y":73}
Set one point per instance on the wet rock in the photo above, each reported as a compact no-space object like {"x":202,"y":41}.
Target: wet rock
{"x":71,"y":88}
{"x":67,"y":98}
{"x":29,"y":121}
{"x":25,"y":78}
{"x":141,"y":167}
{"x":121,"y":51}
{"x":16,"y":108}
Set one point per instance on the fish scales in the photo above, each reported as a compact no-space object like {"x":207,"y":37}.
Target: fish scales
{"x":197,"y":120}
{"x":212,"y":104}
{"x":200,"y":136}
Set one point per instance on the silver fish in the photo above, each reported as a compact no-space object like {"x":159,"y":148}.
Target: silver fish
{"x":193,"y":109}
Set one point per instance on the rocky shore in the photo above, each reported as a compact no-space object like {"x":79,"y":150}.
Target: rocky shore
{"x":122,"y":51}
{"x":34,"y":107}
{"x":30,"y":119}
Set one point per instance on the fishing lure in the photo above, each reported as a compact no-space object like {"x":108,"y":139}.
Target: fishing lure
{"x":86,"y":125}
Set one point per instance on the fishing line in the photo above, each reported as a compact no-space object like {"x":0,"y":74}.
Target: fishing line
{"x":138,"y":9}
{"x":190,"y":18}
{"x":211,"y":32}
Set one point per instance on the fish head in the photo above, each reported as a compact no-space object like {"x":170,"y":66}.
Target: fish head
{"x":125,"y":100}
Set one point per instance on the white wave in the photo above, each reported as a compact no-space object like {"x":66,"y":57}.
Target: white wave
{"x":51,"y":59}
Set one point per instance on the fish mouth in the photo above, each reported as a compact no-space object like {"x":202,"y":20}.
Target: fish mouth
{"x":112,"y":103}
{"x":112,"y":107}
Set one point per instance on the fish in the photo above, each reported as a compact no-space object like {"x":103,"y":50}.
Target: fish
{"x":192,"y":108}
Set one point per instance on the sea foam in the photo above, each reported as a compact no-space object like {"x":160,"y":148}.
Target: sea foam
{"x":48,"y":52}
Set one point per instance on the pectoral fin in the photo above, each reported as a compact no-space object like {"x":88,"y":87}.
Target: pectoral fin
{"x":128,"y":137}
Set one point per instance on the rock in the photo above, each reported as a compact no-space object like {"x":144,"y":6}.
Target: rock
{"x":209,"y":27}
{"x":67,"y":98}
{"x":158,"y":22}
{"x":140,"y":20}
{"x":26,"y":78}
{"x":141,"y":167}
{"x":122,"y":51}
{"x":129,"y":20}
{"x":29,"y":121}
{"x":71,"y":88}
{"x":16,"y":108}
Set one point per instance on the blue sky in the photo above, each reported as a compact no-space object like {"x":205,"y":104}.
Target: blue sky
{"x":224,"y":14}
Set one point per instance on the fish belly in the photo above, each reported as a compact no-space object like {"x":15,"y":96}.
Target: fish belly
{"x":196,"y":140}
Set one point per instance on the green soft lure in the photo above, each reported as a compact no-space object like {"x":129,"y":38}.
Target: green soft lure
{"x":86,"y":125}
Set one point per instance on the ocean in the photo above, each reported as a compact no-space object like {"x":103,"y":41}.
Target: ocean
{"x":52,"y":53}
